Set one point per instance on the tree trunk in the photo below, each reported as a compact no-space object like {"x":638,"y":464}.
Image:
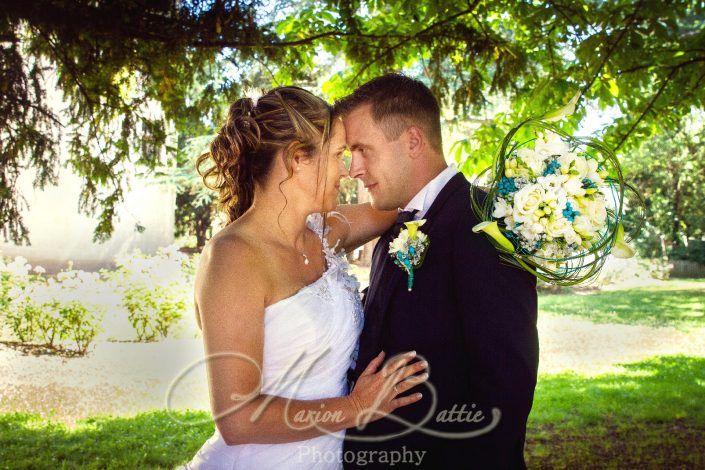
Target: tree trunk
{"x":676,"y":207}
{"x":203,"y":222}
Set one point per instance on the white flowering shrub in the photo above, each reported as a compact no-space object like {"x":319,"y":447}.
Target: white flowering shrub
{"x":155,"y":289}
{"x":15,"y":275}
{"x":67,"y":311}
{"x":58,"y":312}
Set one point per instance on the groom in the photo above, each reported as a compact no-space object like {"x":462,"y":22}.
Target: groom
{"x":470,"y":316}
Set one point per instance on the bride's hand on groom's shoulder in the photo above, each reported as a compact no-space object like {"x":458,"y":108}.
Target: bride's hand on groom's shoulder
{"x":358,"y":224}
{"x":376,"y":393}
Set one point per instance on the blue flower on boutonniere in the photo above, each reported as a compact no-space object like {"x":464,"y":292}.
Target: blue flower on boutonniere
{"x":408,"y":250}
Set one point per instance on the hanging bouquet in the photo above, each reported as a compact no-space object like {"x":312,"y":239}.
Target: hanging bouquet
{"x":555,"y":204}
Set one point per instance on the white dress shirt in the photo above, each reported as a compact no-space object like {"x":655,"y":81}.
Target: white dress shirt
{"x":424,"y":198}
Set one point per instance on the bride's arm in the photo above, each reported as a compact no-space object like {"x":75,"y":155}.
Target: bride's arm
{"x":359,"y":223}
{"x":231,"y":294}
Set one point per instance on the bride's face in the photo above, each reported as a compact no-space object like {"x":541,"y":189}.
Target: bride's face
{"x":331,"y":169}
{"x":316,"y":179}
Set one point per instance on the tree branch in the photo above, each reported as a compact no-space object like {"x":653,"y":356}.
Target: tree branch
{"x":648,"y":107}
{"x":611,"y":49}
{"x":636,"y":68}
{"x":390,"y":49}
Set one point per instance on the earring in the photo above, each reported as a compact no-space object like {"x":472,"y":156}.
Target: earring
{"x":298,"y":168}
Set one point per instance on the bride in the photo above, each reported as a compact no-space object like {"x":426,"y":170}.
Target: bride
{"x":279,"y":312}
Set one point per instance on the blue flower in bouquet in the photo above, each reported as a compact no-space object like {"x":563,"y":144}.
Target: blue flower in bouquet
{"x":570,"y":213}
{"x":506,"y":186}
{"x":552,"y":168}
{"x":589,"y":184}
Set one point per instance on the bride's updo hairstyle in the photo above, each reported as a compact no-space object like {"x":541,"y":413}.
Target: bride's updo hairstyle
{"x":243,"y":152}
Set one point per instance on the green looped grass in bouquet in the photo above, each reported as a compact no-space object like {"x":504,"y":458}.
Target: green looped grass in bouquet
{"x":555,"y":204}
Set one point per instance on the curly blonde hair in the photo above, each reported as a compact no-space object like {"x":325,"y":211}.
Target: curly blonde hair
{"x":243,"y":152}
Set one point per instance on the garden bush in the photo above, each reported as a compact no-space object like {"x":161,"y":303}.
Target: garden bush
{"x":155,"y":290}
{"x":58,"y":312}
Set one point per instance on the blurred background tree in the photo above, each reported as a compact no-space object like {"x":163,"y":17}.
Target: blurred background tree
{"x":141,"y":79}
{"x":669,"y":169}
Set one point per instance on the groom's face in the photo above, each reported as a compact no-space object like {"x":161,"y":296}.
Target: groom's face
{"x":380,"y":164}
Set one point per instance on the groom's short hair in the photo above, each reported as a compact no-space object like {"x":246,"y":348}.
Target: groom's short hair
{"x":397,"y":102}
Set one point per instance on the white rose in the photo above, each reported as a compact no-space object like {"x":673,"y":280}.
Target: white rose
{"x":595,"y":210}
{"x":583,"y":226}
{"x":527,"y":201}
{"x":557,"y":227}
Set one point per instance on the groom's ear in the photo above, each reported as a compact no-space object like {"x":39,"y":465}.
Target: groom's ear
{"x":416,"y":141}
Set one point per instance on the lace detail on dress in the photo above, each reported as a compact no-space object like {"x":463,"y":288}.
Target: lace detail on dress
{"x":315,"y":222}
{"x":338,"y":269}
{"x":322,"y":290}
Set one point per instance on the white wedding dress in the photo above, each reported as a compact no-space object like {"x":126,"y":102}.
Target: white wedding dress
{"x":310,"y":341}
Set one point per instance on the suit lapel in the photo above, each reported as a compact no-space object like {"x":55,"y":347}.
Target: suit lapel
{"x":373,"y":321}
{"x":386,"y":276}
{"x":378,"y":263}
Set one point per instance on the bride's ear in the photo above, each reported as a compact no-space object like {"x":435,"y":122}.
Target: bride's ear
{"x":293,"y":158}
{"x":299,"y":159}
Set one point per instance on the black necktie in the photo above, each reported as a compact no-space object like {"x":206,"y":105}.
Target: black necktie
{"x":404,"y":216}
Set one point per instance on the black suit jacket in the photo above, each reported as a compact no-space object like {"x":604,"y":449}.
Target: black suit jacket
{"x":474,"y":319}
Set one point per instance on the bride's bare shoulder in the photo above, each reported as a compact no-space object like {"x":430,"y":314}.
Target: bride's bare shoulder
{"x":230,"y":287}
{"x":232,"y":238}
{"x":231,"y":258}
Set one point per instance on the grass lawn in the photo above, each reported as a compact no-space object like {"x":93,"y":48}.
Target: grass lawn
{"x":676,"y":303}
{"x":651,"y":415}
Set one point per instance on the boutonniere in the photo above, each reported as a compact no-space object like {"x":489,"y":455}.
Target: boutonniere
{"x":409,"y":249}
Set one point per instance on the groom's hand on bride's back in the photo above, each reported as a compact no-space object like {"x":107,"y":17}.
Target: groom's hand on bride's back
{"x":376,"y":392}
